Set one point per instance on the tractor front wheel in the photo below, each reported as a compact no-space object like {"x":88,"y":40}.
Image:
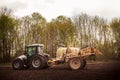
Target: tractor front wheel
{"x":17,"y":64}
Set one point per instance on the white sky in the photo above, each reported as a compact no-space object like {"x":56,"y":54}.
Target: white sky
{"x":53,"y":8}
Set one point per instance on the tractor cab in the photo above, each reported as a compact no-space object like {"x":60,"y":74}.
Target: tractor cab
{"x":31,"y":50}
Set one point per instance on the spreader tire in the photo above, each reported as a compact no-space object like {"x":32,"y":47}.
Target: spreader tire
{"x":75,"y":63}
{"x":84,"y":64}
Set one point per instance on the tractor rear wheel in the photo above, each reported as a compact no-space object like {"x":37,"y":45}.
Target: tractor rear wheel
{"x":46,"y":62}
{"x":75,"y":63}
{"x":37,"y":62}
{"x":17,"y":64}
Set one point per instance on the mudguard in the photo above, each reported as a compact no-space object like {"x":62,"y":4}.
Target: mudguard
{"x":22,"y":57}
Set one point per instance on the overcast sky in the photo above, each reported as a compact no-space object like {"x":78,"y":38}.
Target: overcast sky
{"x":53,"y":8}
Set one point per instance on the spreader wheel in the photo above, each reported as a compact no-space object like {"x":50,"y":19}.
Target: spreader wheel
{"x":75,"y":63}
{"x":84,"y":64}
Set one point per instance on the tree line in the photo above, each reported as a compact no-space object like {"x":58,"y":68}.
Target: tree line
{"x":79,"y":31}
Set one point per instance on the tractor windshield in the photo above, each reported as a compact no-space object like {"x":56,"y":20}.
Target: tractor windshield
{"x":31,"y":50}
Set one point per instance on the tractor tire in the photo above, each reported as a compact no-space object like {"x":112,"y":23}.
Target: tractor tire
{"x":17,"y":64}
{"x":37,"y":62}
{"x":46,"y":62}
{"x":75,"y":63}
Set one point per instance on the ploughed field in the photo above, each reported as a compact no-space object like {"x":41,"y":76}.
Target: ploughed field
{"x":108,"y":70}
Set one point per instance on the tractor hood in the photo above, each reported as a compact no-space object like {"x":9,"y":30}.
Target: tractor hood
{"x":22,"y":57}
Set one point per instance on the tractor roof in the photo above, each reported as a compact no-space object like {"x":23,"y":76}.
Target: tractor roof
{"x":41,"y":45}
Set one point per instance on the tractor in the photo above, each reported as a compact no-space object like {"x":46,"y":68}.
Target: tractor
{"x":33,"y":57}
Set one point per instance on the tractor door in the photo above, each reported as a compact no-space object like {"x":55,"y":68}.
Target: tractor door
{"x":30,"y":51}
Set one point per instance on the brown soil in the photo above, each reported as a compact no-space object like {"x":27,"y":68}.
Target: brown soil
{"x":93,"y":71}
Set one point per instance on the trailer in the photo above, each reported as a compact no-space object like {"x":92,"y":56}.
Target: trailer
{"x":74,"y":57}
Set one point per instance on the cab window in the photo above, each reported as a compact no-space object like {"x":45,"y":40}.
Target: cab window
{"x":31,"y":50}
{"x":40,"y":50}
